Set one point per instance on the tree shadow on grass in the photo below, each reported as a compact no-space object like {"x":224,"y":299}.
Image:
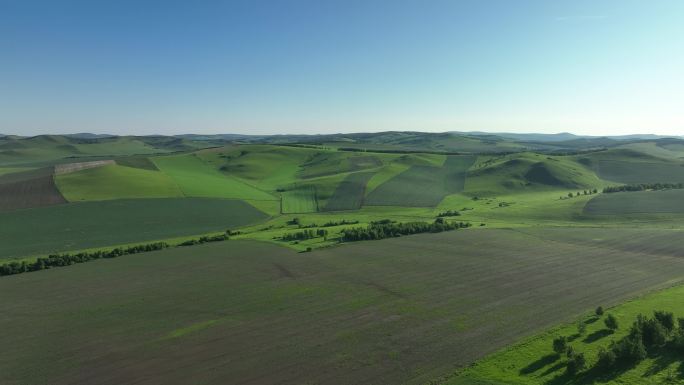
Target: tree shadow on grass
{"x":591,"y":320}
{"x":559,"y":365}
{"x":540,"y":363}
{"x":662,"y":359}
{"x":597,"y":335}
{"x":593,"y":375}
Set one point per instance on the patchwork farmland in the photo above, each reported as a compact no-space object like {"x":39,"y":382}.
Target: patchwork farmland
{"x":537,"y":245}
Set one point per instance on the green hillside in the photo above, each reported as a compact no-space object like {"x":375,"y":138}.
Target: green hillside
{"x":199,"y":179}
{"x":116,"y":182}
{"x":528,"y":172}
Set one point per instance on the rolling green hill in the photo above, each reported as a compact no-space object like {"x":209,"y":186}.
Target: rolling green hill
{"x":116,"y":182}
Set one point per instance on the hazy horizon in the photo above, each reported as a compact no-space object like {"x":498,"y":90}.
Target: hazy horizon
{"x":305,"y":67}
{"x":343,"y":133}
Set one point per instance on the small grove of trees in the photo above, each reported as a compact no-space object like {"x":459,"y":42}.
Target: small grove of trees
{"x":389,"y":229}
{"x":643,"y":187}
{"x":659,"y":334}
{"x":304,"y":235}
{"x":579,"y":193}
{"x":66,"y":259}
{"x":448,"y":213}
{"x":205,"y":239}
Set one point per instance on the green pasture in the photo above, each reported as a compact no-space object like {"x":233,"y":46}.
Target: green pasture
{"x":301,"y":199}
{"x":349,"y":193}
{"x":85,"y":225}
{"x":116,"y":182}
{"x":422,"y":185}
{"x":198,"y":179}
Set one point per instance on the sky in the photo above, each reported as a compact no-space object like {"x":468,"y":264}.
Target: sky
{"x":591,"y":67}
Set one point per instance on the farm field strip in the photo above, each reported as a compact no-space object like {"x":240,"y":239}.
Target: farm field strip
{"x":70,"y":226}
{"x":36,"y":192}
{"x":639,"y":202}
{"x":422,"y":186}
{"x":301,"y":199}
{"x":350,"y":192}
{"x":404,"y":310}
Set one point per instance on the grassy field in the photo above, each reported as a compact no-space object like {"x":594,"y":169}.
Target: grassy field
{"x":198,"y":179}
{"x":640,"y":172}
{"x":405,"y":310}
{"x":532,"y":361}
{"x":643,"y":203}
{"x":97,"y":224}
{"x":141,"y":162}
{"x":116,"y":182}
{"x":422,"y":186}
{"x":301,"y":199}
{"x":349,"y":193}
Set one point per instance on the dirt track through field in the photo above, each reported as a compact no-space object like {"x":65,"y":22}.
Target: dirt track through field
{"x":405,"y":310}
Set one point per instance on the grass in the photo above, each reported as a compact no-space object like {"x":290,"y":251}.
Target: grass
{"x":46,"y":150}
{"x":349,"y":193}
{"x":531,"y":363}
{"x":96,"y":224}
{"x":198,"y":179}
{"x":640,"y":172}
{"x":422,"y":186}
{"x":116,"y":182}
{"x":301,"y":199}
{"x":404,"y":310}
{"x":525,"y":172}
{"x":137,"y":162}
{"x":268,"y":167}
{"x":640,"y":203}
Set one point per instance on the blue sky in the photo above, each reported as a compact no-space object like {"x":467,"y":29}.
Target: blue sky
{"x":140,"y":67}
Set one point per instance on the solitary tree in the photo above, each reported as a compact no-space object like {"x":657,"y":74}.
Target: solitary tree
{"x":560,"y":345}
{"x":599,"y":311}
{"x":611,"y":322}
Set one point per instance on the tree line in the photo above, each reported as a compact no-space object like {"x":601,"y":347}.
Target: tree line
{"x":304,"y":235}
{"x":67,"y":259}
{"x":449,"y":213}
{"x":389,"y":229}
{"x":643,"y":187}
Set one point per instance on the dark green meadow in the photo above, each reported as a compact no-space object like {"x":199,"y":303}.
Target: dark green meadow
{"x":423,"y":186}
{"x":406,"y":310}
{"x":637,"y":203}
{"x":86,"y":225}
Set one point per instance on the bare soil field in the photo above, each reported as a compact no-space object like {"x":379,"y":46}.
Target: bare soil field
{"x":400,"y":311}
{"x":73,"y":167}
{"x":36,"y":192}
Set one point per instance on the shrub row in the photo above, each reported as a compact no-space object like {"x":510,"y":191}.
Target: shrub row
{"x":215,"y":238}
{"x":449,"y":213}
{"x":303,"y":235}
{"x":389,"y":229}
{"x":66,"y":259}
{"x":643,"y":187}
